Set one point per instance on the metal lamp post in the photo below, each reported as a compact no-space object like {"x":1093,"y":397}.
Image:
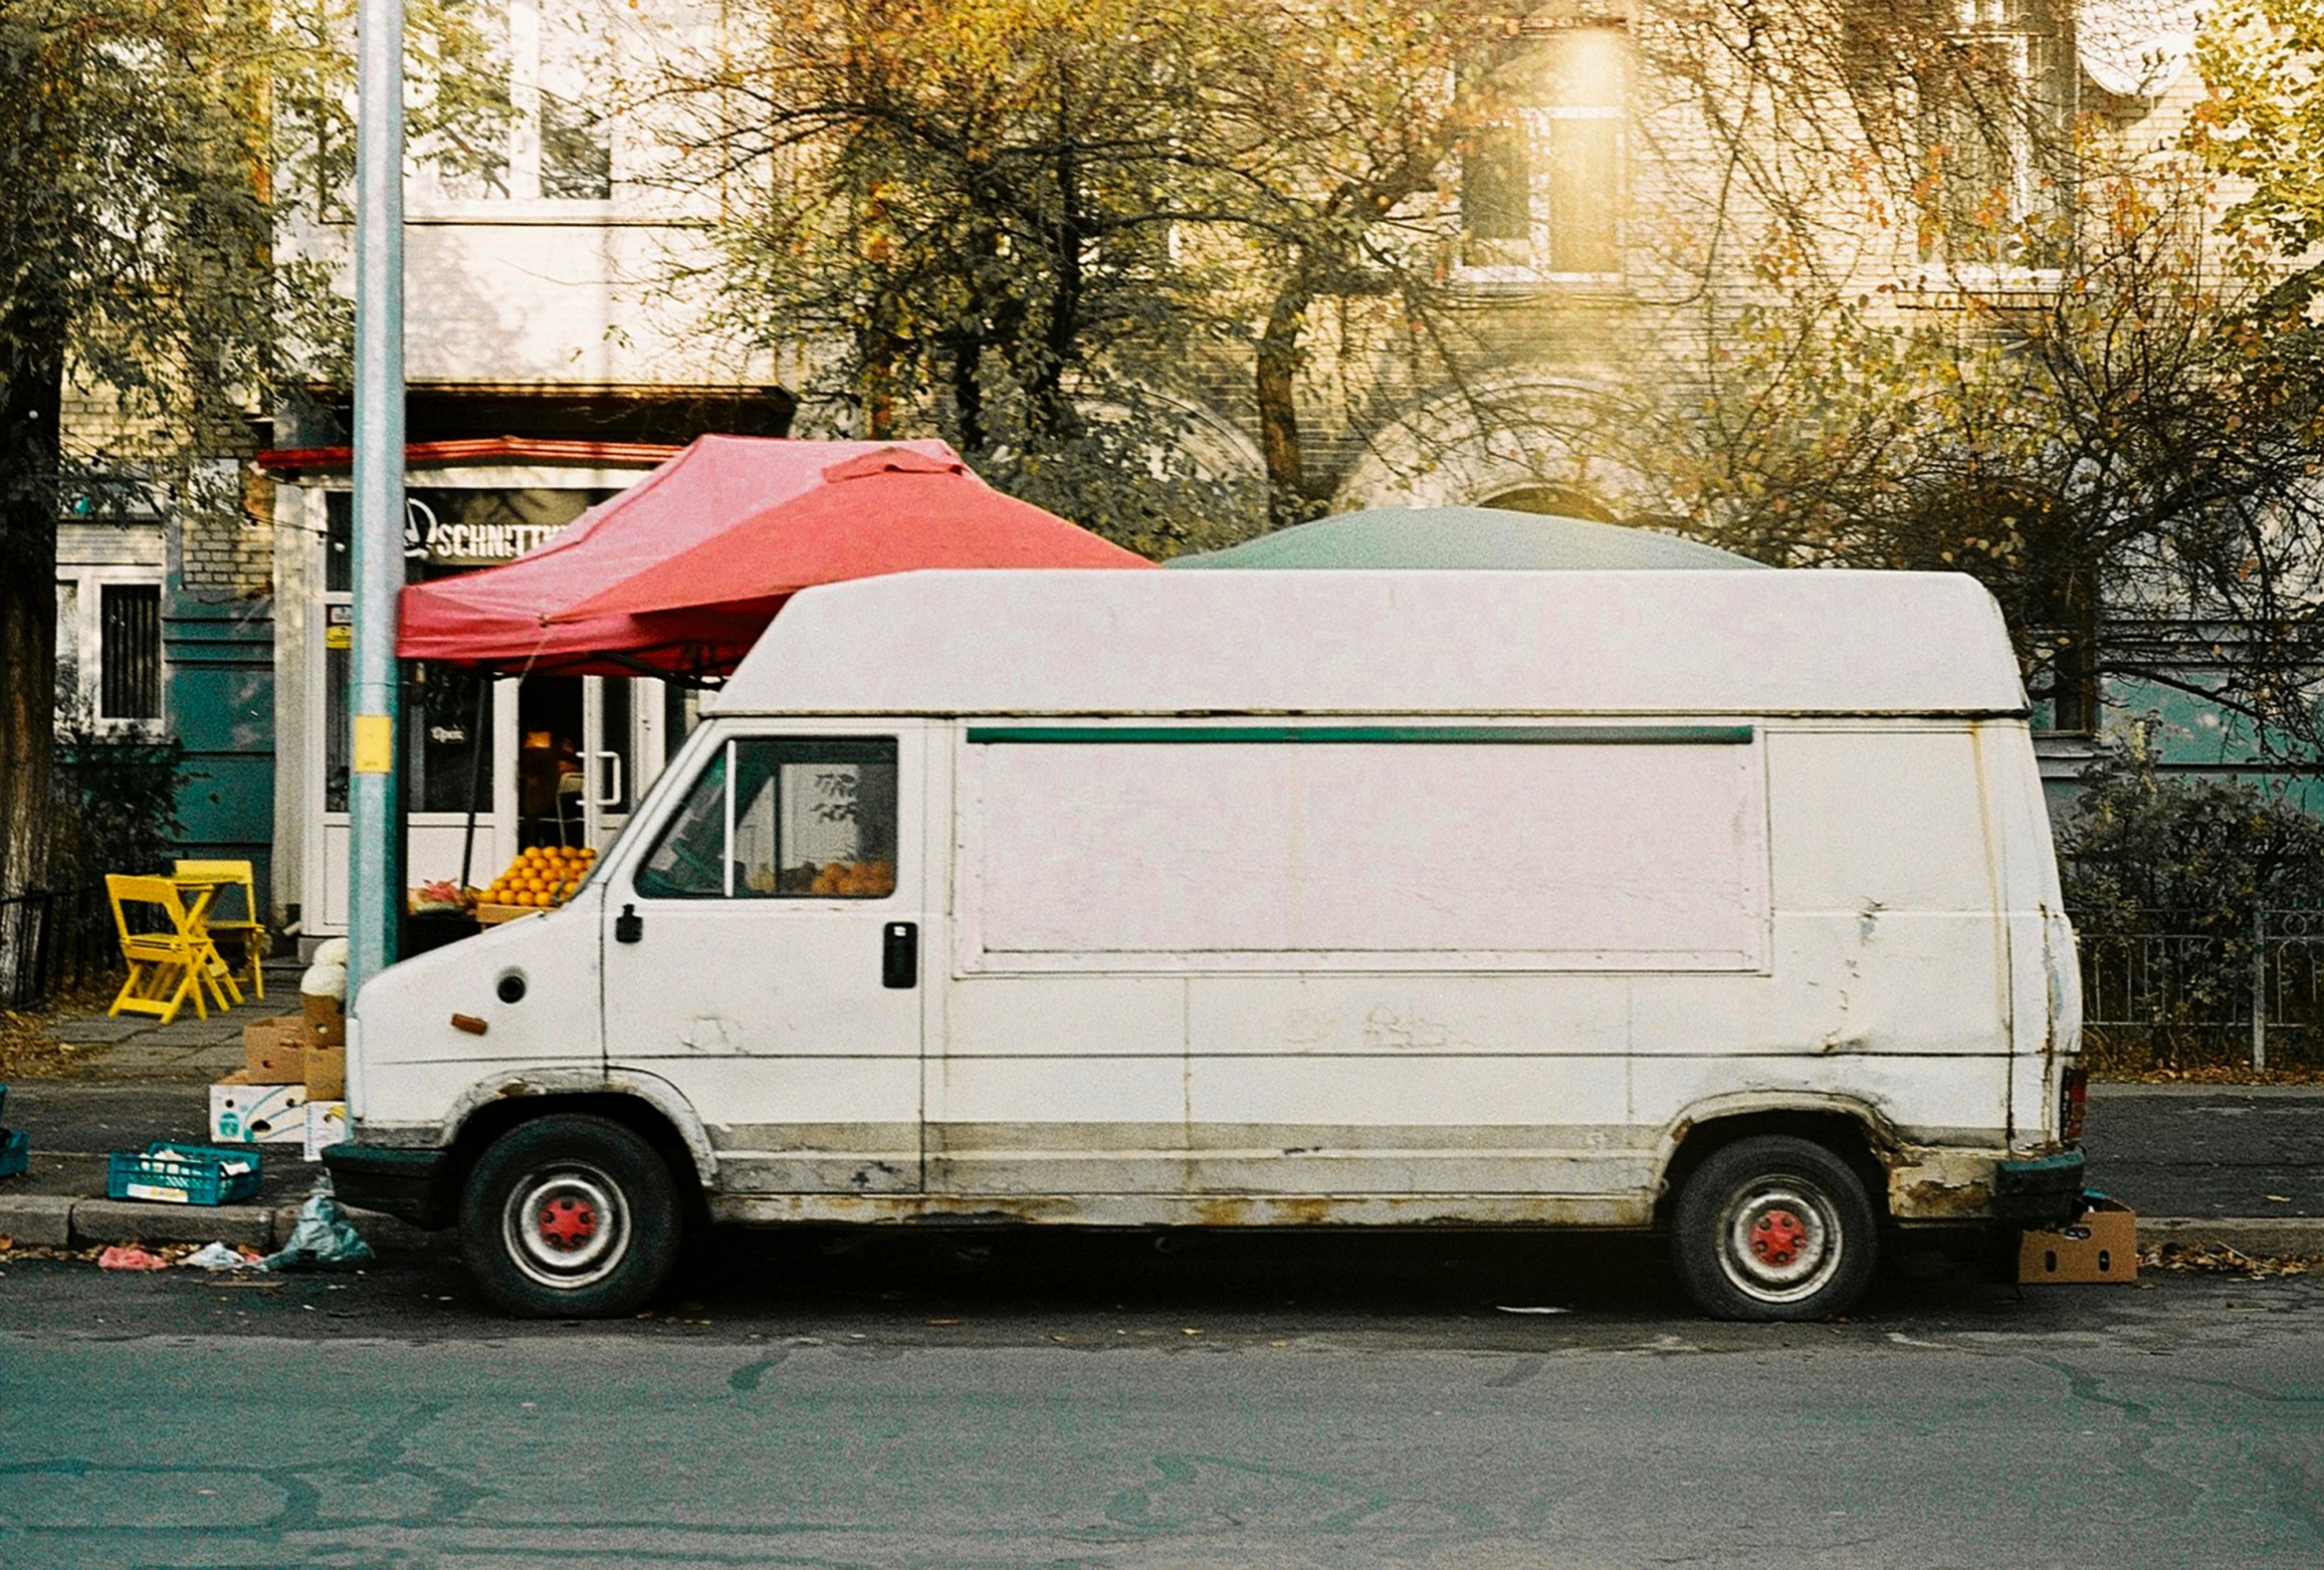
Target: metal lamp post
{"x":375,"y":904}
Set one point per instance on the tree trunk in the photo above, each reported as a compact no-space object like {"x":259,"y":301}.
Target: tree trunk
{"x":30,"y":404}
{"x":1278,"y":360}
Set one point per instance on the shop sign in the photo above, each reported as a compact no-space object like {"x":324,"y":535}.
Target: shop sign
{"x":467,"y":541}
{"x":338,"y":628}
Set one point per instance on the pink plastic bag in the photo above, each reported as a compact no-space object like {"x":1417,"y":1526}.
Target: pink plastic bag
{"x":128,"y":1257}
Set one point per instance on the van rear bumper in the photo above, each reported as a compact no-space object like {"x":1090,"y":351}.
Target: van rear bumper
{"x":404,"y":1184}
{"x":2039,"y":1190}
{"x":1967,"y":1184}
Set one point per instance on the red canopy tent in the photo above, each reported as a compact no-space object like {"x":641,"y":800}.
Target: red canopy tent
{"x":715,"y":539}
{"x":889,"y":511}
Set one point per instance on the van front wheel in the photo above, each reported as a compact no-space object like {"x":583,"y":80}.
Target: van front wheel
{"x":569,"y":1217}
{"x":1773,"y":1227}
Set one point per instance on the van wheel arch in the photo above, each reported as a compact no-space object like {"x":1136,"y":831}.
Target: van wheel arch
{"x":641,"y":1117}
{"x":1853,"y":1136}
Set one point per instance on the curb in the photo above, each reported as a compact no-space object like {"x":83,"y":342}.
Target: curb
{"x":2251,"y":1234}
{"x":59,"y":1221}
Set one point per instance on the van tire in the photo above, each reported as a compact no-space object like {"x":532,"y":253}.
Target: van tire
{"x":1773,"y":1227}
{"x":569,"y":1217}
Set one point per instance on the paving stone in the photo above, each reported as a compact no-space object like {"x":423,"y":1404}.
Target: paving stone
{"x":195,"y":1032}
{"x":96,"y":1030}
{"x":42,"y":1219}
{"x":142,"y":1058}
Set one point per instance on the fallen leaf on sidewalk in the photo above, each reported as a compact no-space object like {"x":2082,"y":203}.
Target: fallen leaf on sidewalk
{"x":2218,"y":1259}
{"x":7,"y":1243}
{"x":2281,"y":1199}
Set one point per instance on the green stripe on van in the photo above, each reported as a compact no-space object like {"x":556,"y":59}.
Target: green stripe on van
{"x":1506,"y":735}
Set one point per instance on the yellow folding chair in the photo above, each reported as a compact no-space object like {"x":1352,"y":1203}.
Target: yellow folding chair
{"x":245,"y":928}
{"x":167,"y":966}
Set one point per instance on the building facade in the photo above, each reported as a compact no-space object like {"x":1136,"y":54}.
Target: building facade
{"x":554,"y":354}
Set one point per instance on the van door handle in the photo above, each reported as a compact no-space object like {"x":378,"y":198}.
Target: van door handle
{"x":900,"y":954}
{"x":629,"y":926}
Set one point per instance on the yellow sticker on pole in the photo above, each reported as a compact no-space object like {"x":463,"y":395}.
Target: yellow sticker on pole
{"x":374,"y":744}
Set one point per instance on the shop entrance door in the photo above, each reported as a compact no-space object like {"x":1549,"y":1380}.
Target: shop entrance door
{"x":609,"y":755}
{"x":586,"y":747}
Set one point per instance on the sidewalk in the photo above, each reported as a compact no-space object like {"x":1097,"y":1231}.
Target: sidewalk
{"x":2235,"y":1165}
{"x":144,"y":1081}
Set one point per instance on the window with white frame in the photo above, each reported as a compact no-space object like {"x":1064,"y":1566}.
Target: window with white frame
{"x":1542,"y":179}
{"x":109,"y":650}
{"x":1995,"y":111}
{"x":554,"y":139}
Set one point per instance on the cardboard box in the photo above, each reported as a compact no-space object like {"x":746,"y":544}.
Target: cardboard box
{"x":326,"y":1125}
{"x":325,"y":1022}
{"x":2102,"y":1246}
{"x":248,"y":1114}
{"x":325,"y":1074}
{"x":273,"y":1049}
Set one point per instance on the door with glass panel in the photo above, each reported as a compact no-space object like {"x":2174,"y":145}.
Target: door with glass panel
{"x":762,"y":954}
{"x":608,"y":755}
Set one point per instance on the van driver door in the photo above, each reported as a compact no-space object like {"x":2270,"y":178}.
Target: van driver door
{"x":763,"y":954}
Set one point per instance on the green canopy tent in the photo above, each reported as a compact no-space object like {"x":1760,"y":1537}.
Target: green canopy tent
{"x":1467,"y":537}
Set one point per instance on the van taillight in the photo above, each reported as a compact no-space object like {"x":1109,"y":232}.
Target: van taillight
{"x":2073,"y":1101}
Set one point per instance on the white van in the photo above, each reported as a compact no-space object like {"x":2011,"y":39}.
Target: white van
{"x":1711,"y":901}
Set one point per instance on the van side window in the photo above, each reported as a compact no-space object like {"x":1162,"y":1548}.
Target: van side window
{"x":689,"y":861}
{"x":772,"y":818}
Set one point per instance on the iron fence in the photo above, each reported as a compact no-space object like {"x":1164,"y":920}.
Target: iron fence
{"x":2249,"y":992}
{"x":50,"y":940}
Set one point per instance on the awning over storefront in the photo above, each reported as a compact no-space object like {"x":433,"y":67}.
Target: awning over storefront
{"x":679,"y":573}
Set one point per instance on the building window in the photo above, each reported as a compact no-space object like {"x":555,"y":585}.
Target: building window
{"x":129,"y":658}
{"x":1997,"y":109}
{"x":1541,"y":181}
{"x":550,"y":140}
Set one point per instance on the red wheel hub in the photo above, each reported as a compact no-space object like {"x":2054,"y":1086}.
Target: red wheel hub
{"x":1775,"y":1237}
{"x":567,"y":1223}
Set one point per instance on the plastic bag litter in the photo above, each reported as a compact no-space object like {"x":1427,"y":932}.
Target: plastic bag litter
{"x":321,"y":1240}
{"x":323,"y":981}
{"x":128,"y":1257}
{"x":217,"y":1256}
{"x":331,"y":951}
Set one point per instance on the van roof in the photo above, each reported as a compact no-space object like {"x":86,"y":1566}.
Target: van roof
{"x":1384,"y":642}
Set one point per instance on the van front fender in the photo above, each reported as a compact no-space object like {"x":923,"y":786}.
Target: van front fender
{"x":573,"y":1080}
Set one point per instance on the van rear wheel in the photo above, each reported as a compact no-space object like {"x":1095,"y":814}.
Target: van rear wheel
{"x":1773,"y":1227}
{"x":569,"y":1217}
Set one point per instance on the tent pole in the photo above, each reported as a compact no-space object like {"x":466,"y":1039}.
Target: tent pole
{"x":478,"y":743}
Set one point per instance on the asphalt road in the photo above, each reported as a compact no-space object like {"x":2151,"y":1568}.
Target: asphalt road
{"x":2206,"y":1151}
{"x":1026,"y":1400}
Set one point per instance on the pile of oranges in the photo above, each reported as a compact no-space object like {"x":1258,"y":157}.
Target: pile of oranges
{"x":541,"y":877}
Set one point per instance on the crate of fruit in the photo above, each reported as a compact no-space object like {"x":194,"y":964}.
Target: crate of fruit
{"x":178,"y":1174}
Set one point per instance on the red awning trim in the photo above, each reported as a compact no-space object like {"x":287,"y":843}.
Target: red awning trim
{"x":289,"y":463}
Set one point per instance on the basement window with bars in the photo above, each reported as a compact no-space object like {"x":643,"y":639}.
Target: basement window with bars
{"x":128,"y":655}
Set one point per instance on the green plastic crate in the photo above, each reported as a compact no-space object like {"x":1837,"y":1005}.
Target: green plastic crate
{"x":175,"y":1173}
